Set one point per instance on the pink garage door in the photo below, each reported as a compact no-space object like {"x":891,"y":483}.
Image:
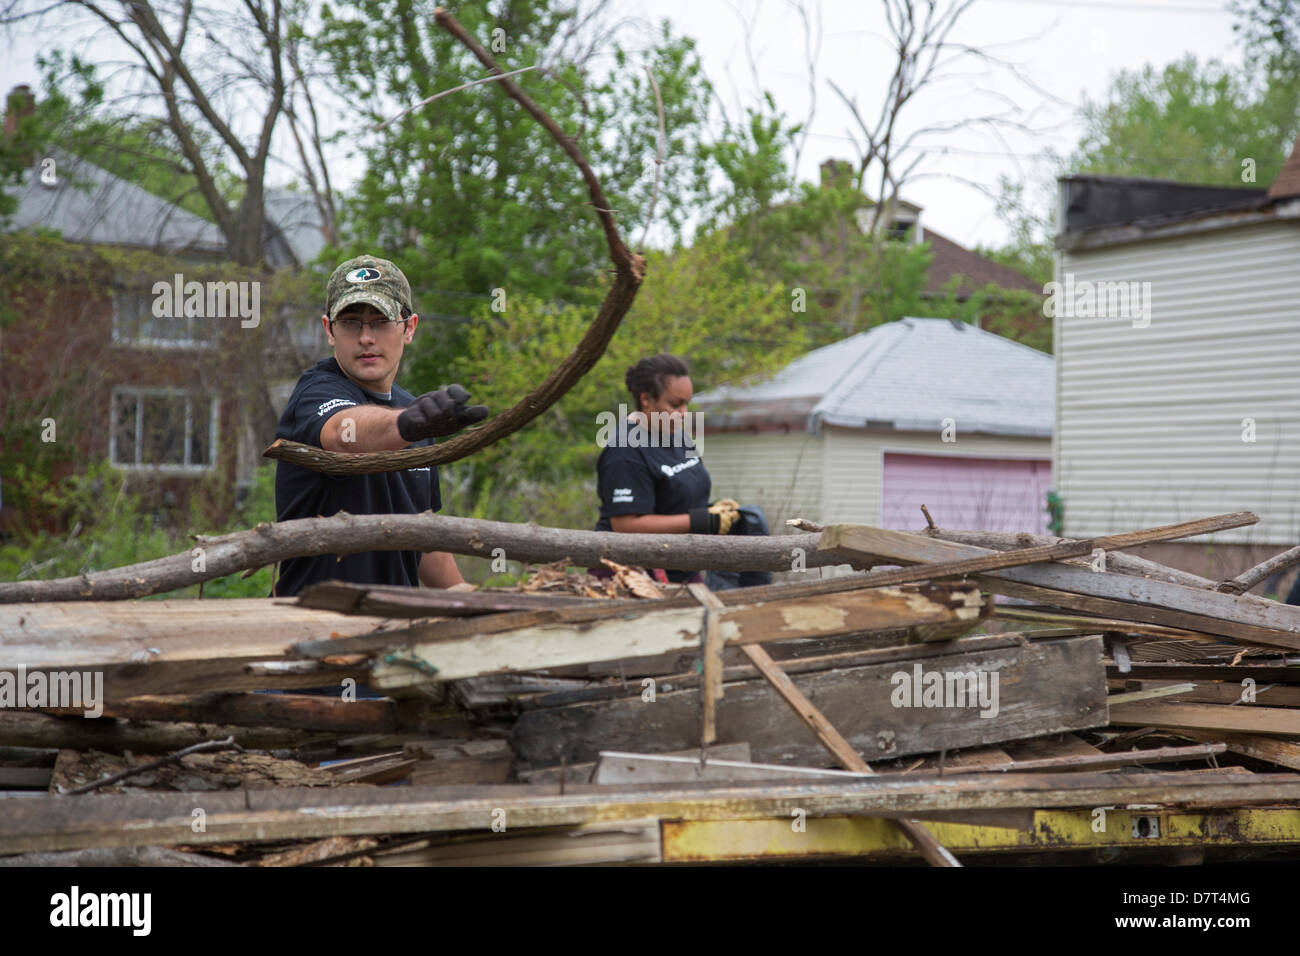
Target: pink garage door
{"x":991,"y":494}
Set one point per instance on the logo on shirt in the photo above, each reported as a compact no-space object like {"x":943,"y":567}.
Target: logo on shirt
{"x":332,"y":404}
{"x":364,"y":275}
{"x":622,"y":496}
{"x":671,"y":470}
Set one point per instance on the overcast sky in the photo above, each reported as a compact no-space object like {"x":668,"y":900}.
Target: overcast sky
{"x":1064,"y":49}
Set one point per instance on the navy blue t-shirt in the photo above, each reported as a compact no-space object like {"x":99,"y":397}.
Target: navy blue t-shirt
{"x":662,"y":480}
{"x":322,"y":391}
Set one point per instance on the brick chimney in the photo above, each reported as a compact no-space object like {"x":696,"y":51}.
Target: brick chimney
{"x":836,"y":172}
{"x":18,"y":104}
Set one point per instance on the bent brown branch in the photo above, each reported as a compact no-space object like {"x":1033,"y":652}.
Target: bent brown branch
{"x":629,"y":269}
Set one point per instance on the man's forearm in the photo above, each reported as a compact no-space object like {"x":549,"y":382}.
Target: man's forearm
{"x":363,"y":428}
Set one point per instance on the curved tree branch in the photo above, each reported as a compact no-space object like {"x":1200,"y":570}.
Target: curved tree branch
{"x":629,"y":269}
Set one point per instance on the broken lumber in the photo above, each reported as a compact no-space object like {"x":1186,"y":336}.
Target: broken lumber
{"x":644,"y":630}
{"x":1280,"y":721}
{"x":1044,"y":687}
{"x":1284,"y":753}
{"x":169,"y":646}
{"x":150,"y":819}
{"x":1114,"y":595}
{"x":860,"y":538}
{"x":29,"y":729}
{"x":1118,"y":561}
{"x":302,"y":711}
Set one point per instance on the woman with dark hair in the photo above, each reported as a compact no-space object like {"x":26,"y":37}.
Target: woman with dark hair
{"x":650,"y":477}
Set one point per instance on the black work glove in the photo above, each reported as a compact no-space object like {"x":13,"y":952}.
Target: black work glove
{"x":435,"y":414}
{"x":717,"y":518}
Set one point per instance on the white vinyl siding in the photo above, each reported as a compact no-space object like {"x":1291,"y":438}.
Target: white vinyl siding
{"x":780,"y":472}
{"x":1150,"y":420}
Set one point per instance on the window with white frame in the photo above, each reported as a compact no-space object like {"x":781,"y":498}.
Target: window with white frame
{"x":170,"y":429}
{"x":134,"y":322}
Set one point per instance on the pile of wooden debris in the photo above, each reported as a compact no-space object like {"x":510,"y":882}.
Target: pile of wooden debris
{"x":1016,"y":698}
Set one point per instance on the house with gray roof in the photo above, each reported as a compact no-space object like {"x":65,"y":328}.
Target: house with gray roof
{"x":866,"y":430}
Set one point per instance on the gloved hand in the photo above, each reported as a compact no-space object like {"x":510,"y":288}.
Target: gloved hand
{"x":439,"y":413}
{"x":717,"y":518}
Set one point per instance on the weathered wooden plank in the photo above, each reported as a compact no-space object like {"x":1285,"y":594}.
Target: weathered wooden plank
{"x":1279,"y":721}
{"x":1044,"y":687}
{"x":586,"y":772}
{"x":305,"y":711}
{"x":1197,"y":674}
{"x":863,"y":539}
{"x":1143,"y":613}
{"x":1264,"y":622}
{"x":161,"y":647}
{"x":1150,"y":693}
{"x":29,"y":729}
{"x":429,"y":602}
{"x":711,"y":652}
{"x":1231,"y":692}
{"x":25,"y":777}
{"x":148,"y":819}
{"x":800,"y":665}
{"x":661,"y":631}
{"x":1284,"y":753}
{"x":576,"y":616}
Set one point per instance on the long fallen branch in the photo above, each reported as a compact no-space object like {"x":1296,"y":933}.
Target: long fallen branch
{"x":629,"y":270}
{"x":1261,"y":572}
{"x":343,"y":533}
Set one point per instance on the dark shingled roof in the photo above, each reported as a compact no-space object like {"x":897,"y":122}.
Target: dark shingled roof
{"x":951,"y":259}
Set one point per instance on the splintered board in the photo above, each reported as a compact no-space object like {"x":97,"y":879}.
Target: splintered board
{"x":1042,"y":688}
{"x":931,"y":611}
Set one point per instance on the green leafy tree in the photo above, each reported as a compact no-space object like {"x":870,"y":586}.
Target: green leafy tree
{"x":1190,"y":121}
{"x":700,"y":303}
{"x":470,"y":195}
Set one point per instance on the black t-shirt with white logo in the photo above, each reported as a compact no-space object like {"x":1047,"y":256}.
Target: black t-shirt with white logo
{"x":664,"y":480}
{"x":322,"y":391}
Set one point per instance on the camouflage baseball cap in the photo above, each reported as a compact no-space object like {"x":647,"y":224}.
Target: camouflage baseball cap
{"x":373,"y":281}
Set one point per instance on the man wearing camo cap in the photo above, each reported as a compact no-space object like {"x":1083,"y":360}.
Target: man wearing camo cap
{"x":350,"y":403}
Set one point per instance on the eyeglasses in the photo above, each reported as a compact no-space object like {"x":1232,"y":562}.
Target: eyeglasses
{"x":378,"y":326}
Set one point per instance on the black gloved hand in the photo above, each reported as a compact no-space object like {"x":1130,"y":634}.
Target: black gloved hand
{"x":717,"y":518}
{"x":439,"y":413}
